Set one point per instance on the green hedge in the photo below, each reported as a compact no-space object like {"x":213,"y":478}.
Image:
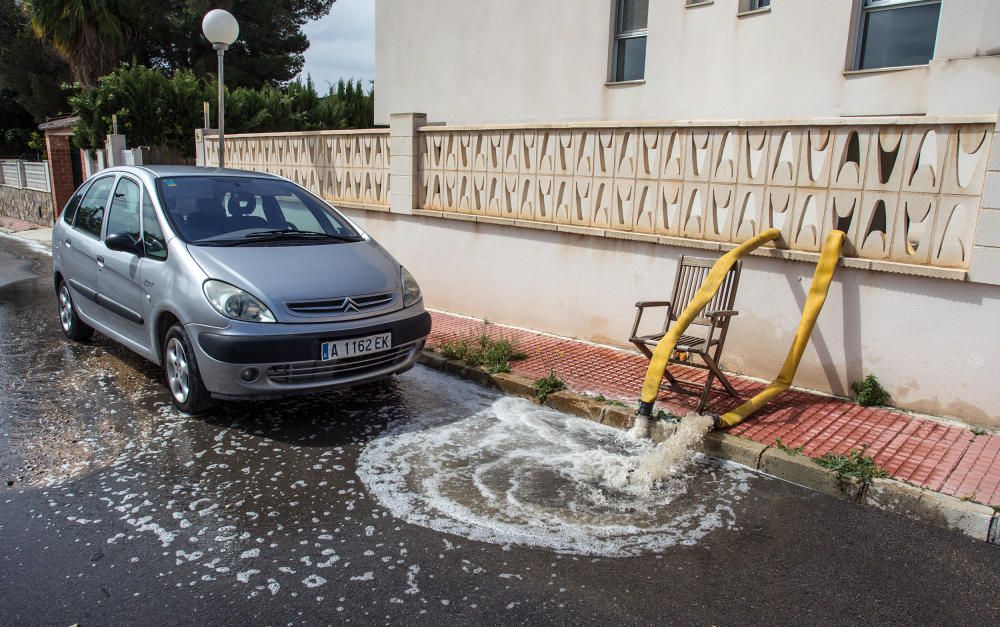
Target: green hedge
{"x":155,"y":109}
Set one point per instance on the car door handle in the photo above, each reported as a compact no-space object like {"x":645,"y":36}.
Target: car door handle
{"x":69,"y":242}
{"x":100,"y":260}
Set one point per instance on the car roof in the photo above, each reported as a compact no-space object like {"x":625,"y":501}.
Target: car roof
{"x":161,"y":171}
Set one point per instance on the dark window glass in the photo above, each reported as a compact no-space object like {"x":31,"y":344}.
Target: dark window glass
{"x":630,"y":40}
{"x":69,"y":213}
{"x":898,"y":36}
{"x":152,"y":234}
{"x":759,"y":4}
{"x":633,"y":15}
{"x":631,"y":59}
{"x":124,"y":214}
{"x":90,"y":215}
{"x":227,"y":209}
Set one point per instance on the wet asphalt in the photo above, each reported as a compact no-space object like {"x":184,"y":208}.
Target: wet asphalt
{"x":115,"y":509}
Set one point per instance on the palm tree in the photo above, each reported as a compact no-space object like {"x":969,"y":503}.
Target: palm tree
{"x":88,"y":34}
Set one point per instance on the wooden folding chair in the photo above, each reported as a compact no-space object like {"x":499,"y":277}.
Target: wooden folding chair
{"x":713,"y":321}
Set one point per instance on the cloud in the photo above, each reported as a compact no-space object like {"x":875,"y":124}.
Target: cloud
{"x":342,"y":44}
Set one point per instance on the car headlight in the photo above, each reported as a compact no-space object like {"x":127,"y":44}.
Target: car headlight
{"x":411,"y":291}
{"x":232,"y":302}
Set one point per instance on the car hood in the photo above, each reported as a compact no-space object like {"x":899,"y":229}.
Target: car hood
{"x":289,"y":273}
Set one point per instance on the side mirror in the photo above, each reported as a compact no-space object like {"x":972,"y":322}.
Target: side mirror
{"x":123,"y":242}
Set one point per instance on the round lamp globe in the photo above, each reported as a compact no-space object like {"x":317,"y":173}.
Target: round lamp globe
{"x":220,"y":27}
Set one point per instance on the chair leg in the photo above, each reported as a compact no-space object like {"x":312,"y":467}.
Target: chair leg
{"x":703,"y":401}
{"x":714,"y":369}
{"x":670,"y":378}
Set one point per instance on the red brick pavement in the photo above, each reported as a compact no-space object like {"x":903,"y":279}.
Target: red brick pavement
{"x":943,"y":457}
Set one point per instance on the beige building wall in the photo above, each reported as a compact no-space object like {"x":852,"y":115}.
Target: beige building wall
{"x":486,"y":61}
{"x":932,"y":342}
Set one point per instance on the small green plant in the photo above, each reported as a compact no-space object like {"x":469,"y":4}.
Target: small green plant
{"x":869,"y":392}
{"x":781,"y":446}
{"x":547,"y":385}
{"x":970,"y":498}
{"x":600,"y":398}
{"x":996,"y":508}
{"x":978,"y":431}
{"x":855,"y":464}
{"x":493,"y":355}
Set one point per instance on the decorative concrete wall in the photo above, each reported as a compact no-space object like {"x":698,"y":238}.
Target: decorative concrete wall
{"x":904,"y":192}
{"x":348,"y":167}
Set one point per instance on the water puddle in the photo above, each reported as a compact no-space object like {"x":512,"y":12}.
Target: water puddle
{"x":517,"y":473}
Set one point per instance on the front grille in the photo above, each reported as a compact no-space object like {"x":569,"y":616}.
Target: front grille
{"x":342,"y":305}
{"x":310,"y":371}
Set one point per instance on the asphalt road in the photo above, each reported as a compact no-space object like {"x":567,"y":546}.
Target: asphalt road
{"x":424,"y":500}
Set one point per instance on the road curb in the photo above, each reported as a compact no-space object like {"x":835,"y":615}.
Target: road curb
{"x":973,"y":519}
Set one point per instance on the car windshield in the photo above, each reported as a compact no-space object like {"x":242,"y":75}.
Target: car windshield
{"x":238,"y":210}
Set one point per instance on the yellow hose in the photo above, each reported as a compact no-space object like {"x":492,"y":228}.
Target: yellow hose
{"x":814,"y":303}
{"x":661,"y":354}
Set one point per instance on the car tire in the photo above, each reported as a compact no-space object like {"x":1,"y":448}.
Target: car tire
{"x":180,"y":369}
{"x":74,"y":328}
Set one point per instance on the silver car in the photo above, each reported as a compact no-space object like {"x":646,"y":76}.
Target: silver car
{"x":241,"y":285}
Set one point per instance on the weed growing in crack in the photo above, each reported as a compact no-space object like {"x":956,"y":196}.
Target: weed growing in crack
{"x":855,"y":464}
{"x":547,"y":385}
{"x":781,"y":446}
{"x":869,"y":392}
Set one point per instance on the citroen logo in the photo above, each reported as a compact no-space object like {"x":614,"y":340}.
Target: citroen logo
{"x":349,"y":306}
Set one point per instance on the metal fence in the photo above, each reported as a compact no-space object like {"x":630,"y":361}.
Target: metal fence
{"x":25,"y":174}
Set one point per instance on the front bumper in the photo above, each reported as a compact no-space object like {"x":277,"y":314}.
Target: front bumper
{"x":287,"y":360}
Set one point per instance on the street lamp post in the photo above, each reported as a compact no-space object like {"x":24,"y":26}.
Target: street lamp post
{"x":221,"y":28}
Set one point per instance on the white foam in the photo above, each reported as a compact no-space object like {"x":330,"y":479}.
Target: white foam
{"x":517,"y":473}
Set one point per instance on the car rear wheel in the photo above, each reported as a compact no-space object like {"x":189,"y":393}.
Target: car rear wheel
{"x":183,"y":377}
{"x":74,"y":328}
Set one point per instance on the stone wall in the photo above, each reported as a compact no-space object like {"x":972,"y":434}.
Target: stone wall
{"x":26,"y":204}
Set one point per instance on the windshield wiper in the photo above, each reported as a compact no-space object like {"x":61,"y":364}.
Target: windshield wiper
{"x":279,"y":235}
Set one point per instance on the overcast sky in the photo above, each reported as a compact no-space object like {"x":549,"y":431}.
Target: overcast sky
{"x":342,"y":44}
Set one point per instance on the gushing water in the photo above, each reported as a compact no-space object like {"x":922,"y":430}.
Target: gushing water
{"x":516,"y":473}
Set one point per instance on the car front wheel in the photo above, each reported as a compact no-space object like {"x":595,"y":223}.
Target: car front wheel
{"x":74,"y":328}
{"x":183,"y":377}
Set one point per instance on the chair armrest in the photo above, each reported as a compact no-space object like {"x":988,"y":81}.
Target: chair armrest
{"x":652,"y":303}
{"x":722,"y":313}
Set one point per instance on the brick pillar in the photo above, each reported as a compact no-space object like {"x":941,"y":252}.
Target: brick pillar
{"x":60,"y":170}
{"x":404,"y":168}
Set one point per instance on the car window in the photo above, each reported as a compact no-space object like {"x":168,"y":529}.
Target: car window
{"x":124,"y":214}
{"x":228,"y":209}
{"x":297,"y":214}
{"x":69,"y":213}
{"x":152,"y":234}
{"x":90,"y":215}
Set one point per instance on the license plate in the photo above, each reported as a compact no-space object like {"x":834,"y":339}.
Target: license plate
{"x":340,"y":349}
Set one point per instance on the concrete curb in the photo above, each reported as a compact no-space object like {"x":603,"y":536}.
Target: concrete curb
{"x":973,"y":519}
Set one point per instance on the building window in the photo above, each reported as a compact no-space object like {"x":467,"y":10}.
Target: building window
{"x":896,"y":33}
{"x":758,"y":4}
{"x":629,"y":55}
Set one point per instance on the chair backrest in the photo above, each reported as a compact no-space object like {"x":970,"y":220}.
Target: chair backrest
{"x":691,"y":275}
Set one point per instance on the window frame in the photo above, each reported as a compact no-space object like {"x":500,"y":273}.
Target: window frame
{"x":111,"y":202}
{"x":69,"y":212}
{"x":862,"y":9}
{"x":107,"y":203}
{"x":146,"y":203}
{"x":618,"y":35}
{"x":755,"y":5}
